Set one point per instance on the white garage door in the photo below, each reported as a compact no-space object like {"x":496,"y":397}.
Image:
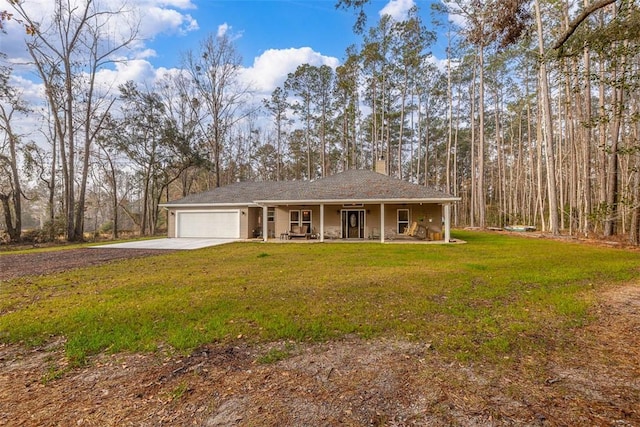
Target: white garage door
{"x":209,"y":224}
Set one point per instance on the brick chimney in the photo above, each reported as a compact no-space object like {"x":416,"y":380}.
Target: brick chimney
{"x":381,"y":166}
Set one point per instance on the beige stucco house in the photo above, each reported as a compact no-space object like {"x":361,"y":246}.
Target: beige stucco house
{"x":355,"y":204}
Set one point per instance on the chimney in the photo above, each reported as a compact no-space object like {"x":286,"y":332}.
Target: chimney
{"x":381,"y":166}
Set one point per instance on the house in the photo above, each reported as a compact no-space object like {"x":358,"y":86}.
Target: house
{"x":355,"y":204}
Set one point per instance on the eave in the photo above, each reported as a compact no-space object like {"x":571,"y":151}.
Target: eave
{"x":355,"y":201}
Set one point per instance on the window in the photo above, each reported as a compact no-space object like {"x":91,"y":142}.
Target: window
{"x":294,"y":218}
{"x":403,"y":220}
{"x":306,"y":219}
{"x":301,"y":218}
{"x":271,"y":214}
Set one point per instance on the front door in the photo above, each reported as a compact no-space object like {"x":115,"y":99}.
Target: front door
{"x":353,"y":224}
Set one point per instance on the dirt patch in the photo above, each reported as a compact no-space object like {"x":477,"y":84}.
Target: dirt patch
{"x":38,"y":263}
{"x":594,"y":380}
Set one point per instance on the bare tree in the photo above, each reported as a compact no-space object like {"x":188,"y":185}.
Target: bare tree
{"x":11,"y":105}
{"x":214,"y":71}
{"x":68,"y":52}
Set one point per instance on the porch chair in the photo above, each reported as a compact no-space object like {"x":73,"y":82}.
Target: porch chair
{"x":411,"y":231}
{"x":298,"y":231}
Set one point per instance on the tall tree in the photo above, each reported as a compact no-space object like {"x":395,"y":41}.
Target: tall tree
{"x":546,"y":128}
{"x":214,"y":71}
{"x":376,"y":68}
{"x":277,"y":106}
{"x":410,"y":47}
{"x":141,"y":140}
{"x":11,"y":106}
{"x":110,"y":170}
{"x":68,"y":51}
{"x":346,"y":99}
{"x":311,"y":86}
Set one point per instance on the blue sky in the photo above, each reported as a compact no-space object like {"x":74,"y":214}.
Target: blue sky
{"x":261,"y":25}
{"x":272,"y":36}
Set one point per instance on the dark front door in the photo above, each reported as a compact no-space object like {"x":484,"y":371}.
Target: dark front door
{"x":353,"y":224}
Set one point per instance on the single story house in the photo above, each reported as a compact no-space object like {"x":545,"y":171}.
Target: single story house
{"x":355,"y":204}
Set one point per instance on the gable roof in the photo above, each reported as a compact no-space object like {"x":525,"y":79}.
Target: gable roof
{"x":351,"y":186}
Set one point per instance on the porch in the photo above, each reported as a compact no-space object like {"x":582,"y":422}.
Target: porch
{"x":379,"y":222}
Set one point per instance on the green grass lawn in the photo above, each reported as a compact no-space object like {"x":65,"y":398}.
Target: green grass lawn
{"x":495,"y":297}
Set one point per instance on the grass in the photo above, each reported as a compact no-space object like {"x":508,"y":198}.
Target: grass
{"x":495,"y":297}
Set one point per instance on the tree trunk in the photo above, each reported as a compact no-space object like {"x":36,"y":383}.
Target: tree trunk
{"x":545,"y":103}
{"x":586,"y":140}
{"x":612,"y":164}
{"x":481,"y":194}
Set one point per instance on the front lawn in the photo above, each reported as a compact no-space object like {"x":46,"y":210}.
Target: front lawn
{"x":493,"y":298}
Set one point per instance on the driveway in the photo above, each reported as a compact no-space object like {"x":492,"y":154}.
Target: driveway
{"x":169,"y":244}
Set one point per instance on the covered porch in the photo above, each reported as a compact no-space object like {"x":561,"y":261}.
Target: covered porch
{"x":401,"y":220}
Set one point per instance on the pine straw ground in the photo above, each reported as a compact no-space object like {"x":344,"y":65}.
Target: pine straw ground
{"x":351,"y":382}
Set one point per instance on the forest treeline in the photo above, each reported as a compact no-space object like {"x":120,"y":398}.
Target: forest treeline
{"x":532,"y":118}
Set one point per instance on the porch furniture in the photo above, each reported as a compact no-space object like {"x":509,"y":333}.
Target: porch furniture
{"x":410,"y":231}
{"x":417,"y":231}
{"x":375,"y":234}
{"x":421,"y":232}
{"x":298,"y":231}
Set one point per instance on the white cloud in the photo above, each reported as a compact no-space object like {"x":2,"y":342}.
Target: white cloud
{"x":270,"y":69}
{"x":180,"y":4}
{"x":397,"y":9}
{"x":147,"y":53}
{"x":154,"y":16}
{"x":223,"y":29}
{"x":156,"y":20}
{"x":138,"y":70}
{"x":226,"y":30}
{"x":29,"y":91}
{"x":457,"y":14}
{"x":441,"y":64}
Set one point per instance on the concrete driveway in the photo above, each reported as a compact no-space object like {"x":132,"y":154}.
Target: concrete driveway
{"x":169,"y":244}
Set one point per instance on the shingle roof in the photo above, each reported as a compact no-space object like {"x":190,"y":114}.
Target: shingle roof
{"x":363,"y":185}
{"x":240,"y":193}
{"x":354,"y":185}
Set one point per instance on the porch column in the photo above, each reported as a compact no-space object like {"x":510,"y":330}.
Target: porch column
{"x":447,"y":222}
{"x":381,"y":222}
{"x":265,"y":225}
{"x":321,"y":222}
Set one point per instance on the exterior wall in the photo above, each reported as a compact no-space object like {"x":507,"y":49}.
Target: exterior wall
{"x":281,"y":224}
{"x":171,"y":222}
{"x":333,"y":221}
{"x":245,"y":230}
{"x":429,"y":215}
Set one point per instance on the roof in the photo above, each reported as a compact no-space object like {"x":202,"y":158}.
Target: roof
{"x":240,"y":193}
{"x":352,"y":186}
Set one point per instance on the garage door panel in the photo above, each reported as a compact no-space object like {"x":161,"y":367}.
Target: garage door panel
{"x":216,"y":224}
